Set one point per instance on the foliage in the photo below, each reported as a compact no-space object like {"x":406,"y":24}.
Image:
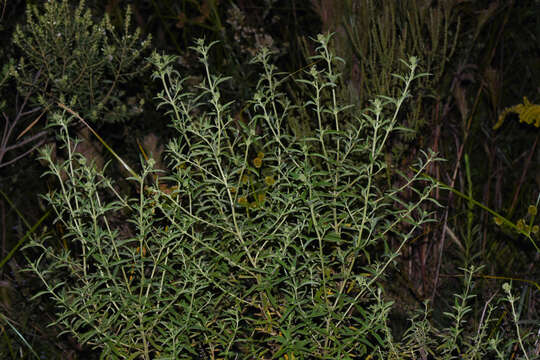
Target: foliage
{"x":493,"y":176}
{"x":290,"y":273}
{"x":373,"y":35}
{"x":259,"y":245}
{"x":465,"y":338}
{"x":465,"y":47}
{"x":79,"y":60}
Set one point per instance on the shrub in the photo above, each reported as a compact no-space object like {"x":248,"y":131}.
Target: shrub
{"x":74,"y":58}
{"x":255,"y":244}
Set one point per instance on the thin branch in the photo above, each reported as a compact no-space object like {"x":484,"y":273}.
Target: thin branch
{"x":23,"y":154}
{"x":26,"y":141}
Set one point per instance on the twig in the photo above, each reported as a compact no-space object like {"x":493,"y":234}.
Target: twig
{"x":10,"y":126}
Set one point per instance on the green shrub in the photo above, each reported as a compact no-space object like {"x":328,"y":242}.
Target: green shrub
{"x":74,"y":58}
{"x":256,"y":244}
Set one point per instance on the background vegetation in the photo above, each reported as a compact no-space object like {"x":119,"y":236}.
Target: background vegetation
{"x":483,"y":57}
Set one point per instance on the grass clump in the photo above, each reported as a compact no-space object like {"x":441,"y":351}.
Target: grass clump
{"x":256,"y":243}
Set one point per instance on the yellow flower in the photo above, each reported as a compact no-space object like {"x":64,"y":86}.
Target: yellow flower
{"x":257,"y":162}
{"x":520,"y":225}
{"x":528,"y":113}
{"x":532,"y":210}
{"x":233,"y":190}
{"x":498,"y":221}
{"x":260,"y":155}
{"x":242,"y":200}
{"x":139,"y":249}
{"x":535,"y":229}
{"x":269,"y":180}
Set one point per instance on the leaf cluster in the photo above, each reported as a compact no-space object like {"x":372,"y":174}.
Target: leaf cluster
{"x":78,"y":59}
